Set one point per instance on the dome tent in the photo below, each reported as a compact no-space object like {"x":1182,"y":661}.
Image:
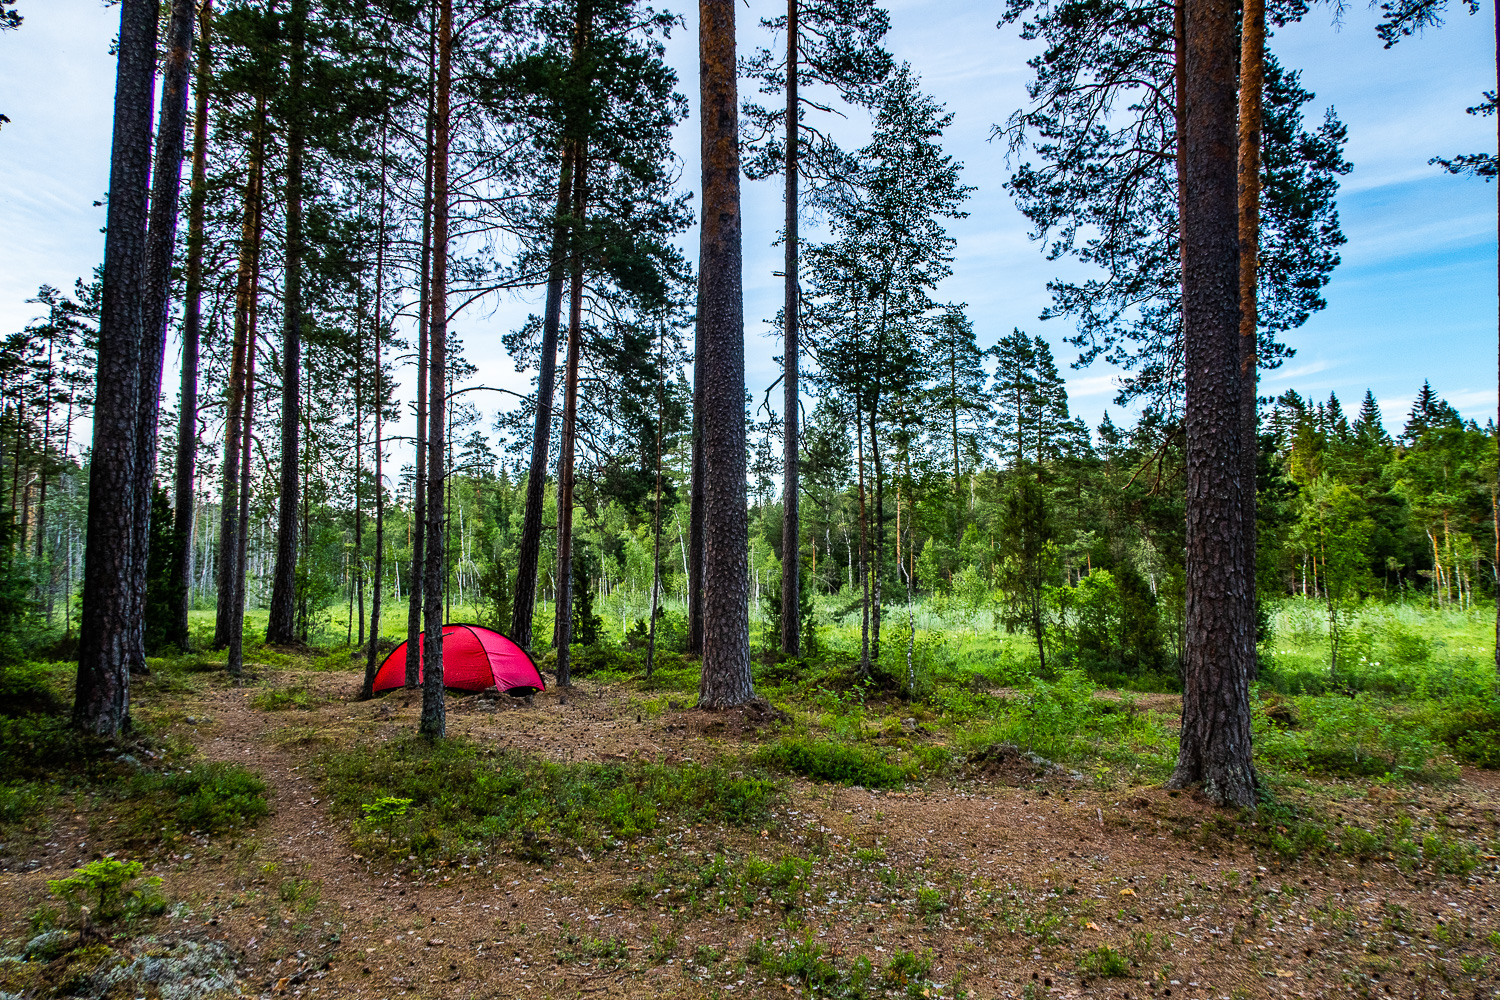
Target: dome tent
{"x":474,"y":658}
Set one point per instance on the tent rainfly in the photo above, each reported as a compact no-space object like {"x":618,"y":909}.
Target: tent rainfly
{"x":474,"y":658}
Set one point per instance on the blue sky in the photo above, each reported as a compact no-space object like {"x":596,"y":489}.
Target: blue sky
{"x":1414,"y":299}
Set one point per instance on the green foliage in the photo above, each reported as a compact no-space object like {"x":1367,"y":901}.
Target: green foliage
{"x":276,"y":699}
{"x":823,"y":974}
{"x":829,"y":760}
{"x":163,"y":601}
{"x":1104,"y":962}
{"x":108,"y":887}
{"x":207,"y":798}
{"x":465,"y":801}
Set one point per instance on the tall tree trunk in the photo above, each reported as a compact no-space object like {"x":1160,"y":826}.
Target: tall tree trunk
{"x":434,"y":715}
{"x":726,"y":678}
{"x":1252,"y":85}
{"x":877,"y":555}
{"x":249,"y":265}
{"x":161,"y":238}
{"x":281,"y":626}
{"x":563,"y":622}
{"x":661,"y":376}
{"x":419,"y":486}
{"x":791,"y":524}
{"x":240,"y":583}
{"x":101,"y":702}
{"x":528,"y":555}
{"x":1215,"y":743}
{"x":368,"y":690}
{"x":695,"y":503}
{"x":192,"y":326}
{"x":864,"y":548}
{"x":1497,"y":425}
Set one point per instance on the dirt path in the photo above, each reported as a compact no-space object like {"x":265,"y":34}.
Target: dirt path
{"x":1002,"y":890}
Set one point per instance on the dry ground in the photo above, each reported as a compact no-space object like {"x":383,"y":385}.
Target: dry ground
{"x":1007,"y":875}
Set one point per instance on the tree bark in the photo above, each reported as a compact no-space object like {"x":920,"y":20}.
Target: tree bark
{"x":192,"y":326}
{"x":726,"y":680}
{"x":661,"y":375}
{"x":102,"y":694}
{"x":791,"y":524}
{"x":368,"y":690}
{"x":528,"y":555}
{"x":161,"y":238}
{"x":1252,"y":85}
{"x":419,"y":486}
{"x":281,"y":626}
{"x":1215,"y":743}
{"x":563,"y":625}
{"x":434,"y":715}
{"x":1497,"y":425}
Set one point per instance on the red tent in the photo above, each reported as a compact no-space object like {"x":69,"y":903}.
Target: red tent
{"x":474,"y":658}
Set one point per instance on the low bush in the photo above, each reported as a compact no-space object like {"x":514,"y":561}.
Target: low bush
{"x":207,"y":798}
{"x":826,"y":760}
{"x":464,"y":799}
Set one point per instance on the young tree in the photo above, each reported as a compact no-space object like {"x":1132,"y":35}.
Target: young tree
{"x":1215,"y":742}
{"x":1335,"y":528}
{"x":102,"y":694}
{"x":1028,"y":558}
{"x":720,"y":394}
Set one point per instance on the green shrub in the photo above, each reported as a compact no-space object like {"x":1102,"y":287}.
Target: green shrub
{"x":274,"y":699}
{"x":1103,"y":962}
{"x":209,"y":798}
{"x":107,"y":887}
{"x":464,"y":799}
{"x":825,"y":760}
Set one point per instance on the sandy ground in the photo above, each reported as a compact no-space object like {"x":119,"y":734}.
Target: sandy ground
{"x":1008,"y":877}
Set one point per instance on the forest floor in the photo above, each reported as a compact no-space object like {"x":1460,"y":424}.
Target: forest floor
{"x":1002,"y":876}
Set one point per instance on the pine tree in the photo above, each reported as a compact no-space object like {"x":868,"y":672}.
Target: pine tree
{"x":1429,"y":412}
{"x":720,"y":389}
{"x":1109,"y":194}
{"x":1220,"y":614}
{"x":102,"y":694}
{"x":835,"y":44}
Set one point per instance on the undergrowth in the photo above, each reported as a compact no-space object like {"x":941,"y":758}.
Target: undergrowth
{"x":465,"y":800}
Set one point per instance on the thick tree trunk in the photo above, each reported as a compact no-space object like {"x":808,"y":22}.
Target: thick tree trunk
{"x":249,"y":265}
{"x":528,"y":555}
{"x":419,"y":486}
{"x":1497,"y":425}
{"x":726,"y":678}
{"x":102,"y":695}
{"x":161,"y":238}
{"x":791,"y":524}
{"x":281,"y":626}
{"x":434,"y":714}
{"x":1252,"y":83}
{"x":1215,"y":743}
{"x":563,"y":625}
{"x":192,"y":326}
